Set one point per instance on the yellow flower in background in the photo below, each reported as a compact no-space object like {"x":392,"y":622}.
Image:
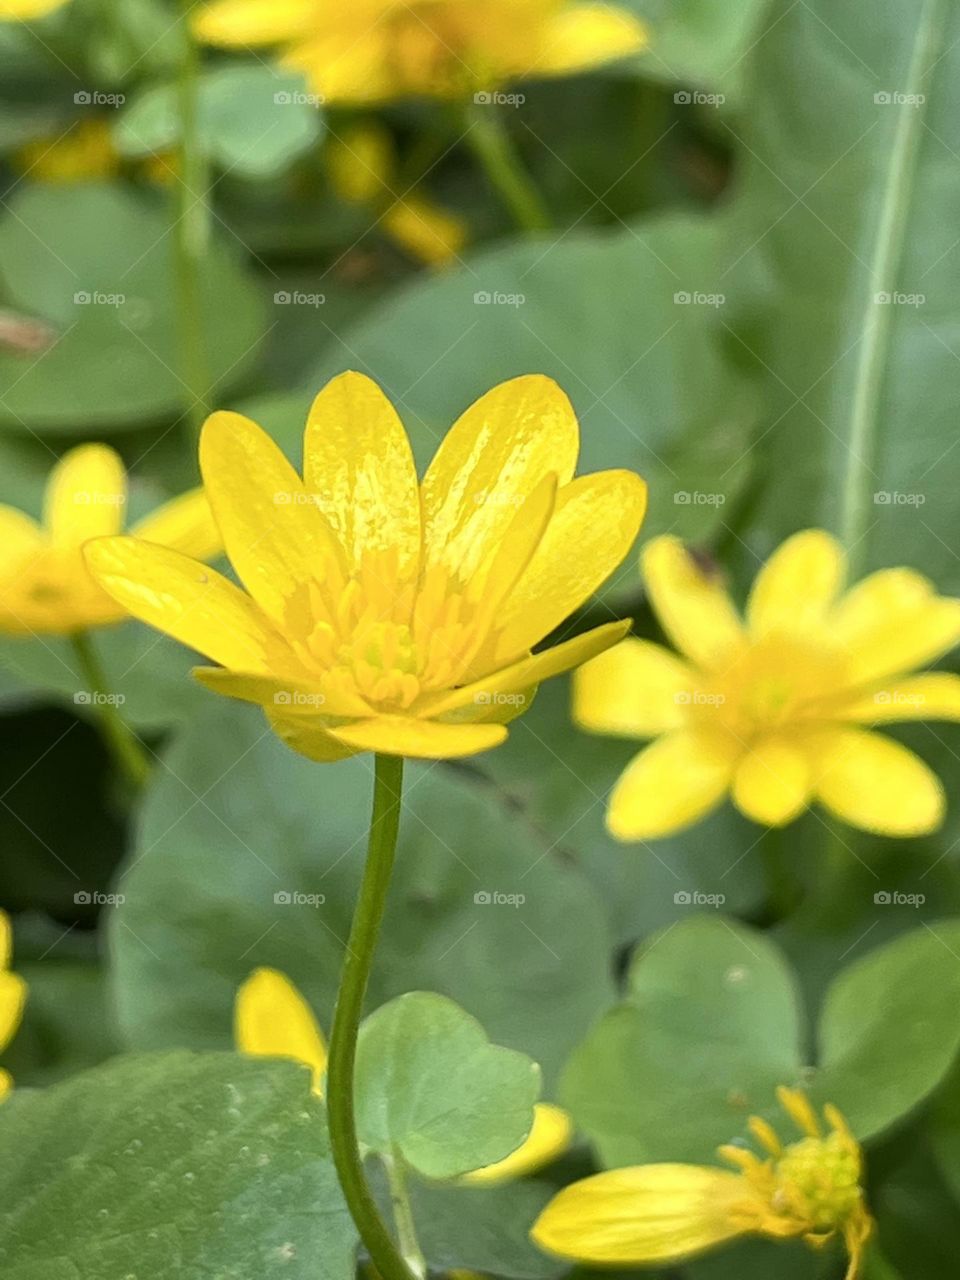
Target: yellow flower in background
{"x":83,"y":152}
{"x":45,"y":588}
{"x":13,"y":996}
{"x":771,"y":709}
{"x":362,"y":168}
{"x":25,"y":10}
{"x":665,"y":1213}
{"x":378,"y":50}
{"x":384,"y":614}
{"x":272,"y":1020}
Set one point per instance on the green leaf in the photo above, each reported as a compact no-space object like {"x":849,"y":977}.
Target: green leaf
{"x":432,"y":1089}
{"x":847,"y":221}
{"x":173,"y":1167}
{"x":253,"y":120}
{"x":96,"y":264}
{"x":700,"y":43}
{"x":264,"y":869}
{"x":712,"y":1024}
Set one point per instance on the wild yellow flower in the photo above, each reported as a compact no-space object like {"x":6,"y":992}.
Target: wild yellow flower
{"x":13,"y":996}
{"x":84,"y":152}
{"x":362,"y":168}
{"x":377,"y":50}
{"x":386,"y":615}
{"x":664,"y":1213}
{"x":45,"y":588}
{"x":272,"y":1020}
{"x":26,"y":10}
{"x":771,"y":709}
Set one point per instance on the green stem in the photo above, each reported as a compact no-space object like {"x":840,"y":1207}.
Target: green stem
{"x":124,"y":747}
{"x":192,"y":233}
{"x":403,"y":1216}
{"x":493,"y":147}
{"x":361,"y":944}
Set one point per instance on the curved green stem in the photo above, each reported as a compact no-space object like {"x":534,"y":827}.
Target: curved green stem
{"x":191,"y":234}
{"x":494,"y":149}
{"x":123,"y":745}
{"x":361,"y":944}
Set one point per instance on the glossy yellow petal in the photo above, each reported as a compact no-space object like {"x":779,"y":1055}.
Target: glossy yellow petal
{"x":637,"y":690}
{"x":6,"y":1084}
{"x":357,"y":460}
{"x":21,"y":539}
{"x":934,"y":696}
{"x":183,"y":598}
{"x":522,"y":675}
{"x":232,"y":23}
{"x":308,"y":736}
{"x":874,"y":783}
{"x":13,"y":997}
{"x":86,"y":495}
{"x":183,"y":524}
{"x":549,"y":1138}
{"x":692,"y":604}
{"x":492,"y":458}
{"x":348,"y":68}
{"x":286,"y":695}
{"x":797,"y":585}
{"x":594,"y":526}
{"x":670,"y":785}
{"x":581,"y":36}
{"x":27,"y":10}
{"x":6,"y":941}
{"x":773,"y":782}
{"x":892,"y":622}
{"x":272,"y":1020}
{"x":420,"y":739}
{"x":425,"y":231}
{"x":274,"y":533}
{"x":652,"y":1213}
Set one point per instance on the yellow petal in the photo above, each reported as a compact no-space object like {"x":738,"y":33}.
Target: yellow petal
{"x":357,"y":460}
{"x":6,"y":941}
{"x":797,"y":585}
{"x":13,"y":997}
{"x":874,"y":783}
{"x":420,"y":739}
{"x":581,"y":36}
{"x":349,"y":70}
{"x":20,"y":540}
{"x":492,"y":458}
{"x":308,"y":736}
{"x":427,"y":232}
{"x":548,"y":1139}
{"x":892,"y":622}
{"x":26,"y":10}
{"x":934,"y":696}
{"x":272,"y":1020}
{"x":184,"y":524}
{"x":86,"y":495}
{"x":652,"y":1213}
{"x":522,"y":675}
{"x":360,"y":162}
{"x":595,"y":524}
{"x":273,"y":531}
{"x":692,"y":605}
{"x":253,"y":22}
{"x":288,"y":695}
{"x":6,"y":1084}
{"x":184,"y":599}
{"x":670,"y":785}
{"x":773,"y":782}
{"x":636,"y":689}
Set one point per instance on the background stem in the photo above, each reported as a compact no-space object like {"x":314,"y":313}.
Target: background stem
{"x":361,"y":944}
{"x":403,"y":1216}
{"x":494,"y":149}
{"x":124,"y":747}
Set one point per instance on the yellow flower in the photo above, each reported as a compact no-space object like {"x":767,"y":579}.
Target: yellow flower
{"x":82,"y":153}
{"x":361,"y":164}
{"x":378,"y":50}
{"x":386,"y":615}
{"x":272,"y":1020}
{"x":25,"y":10}
{"x":13,"y":996}
{"x":663,"y":1213}
{"x":45,"y":588}
{"x":771,"y":709}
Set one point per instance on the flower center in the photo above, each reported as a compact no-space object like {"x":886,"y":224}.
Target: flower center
{"x":816,"y":1181}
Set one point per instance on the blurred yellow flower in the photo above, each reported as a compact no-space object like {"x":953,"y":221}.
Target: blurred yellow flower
{"x":272,"y":1020}
{"x":362,"y":168}
{"x":378,"y":50}
{"x":45,"y":588}
{"x":665,"y":1213}
{"x":770,"y":710}
{"x":13,"y":996}
{"x":25,"y":10}
{"x":82,"y":152}
{"x":386,"y":615}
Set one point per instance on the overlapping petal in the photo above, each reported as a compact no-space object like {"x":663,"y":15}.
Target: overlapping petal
{"x":635,"y":689}
{"x":892,"y":622}
{"x":671,"y":784}
{"x":691,"y":603}
{"x":547,"y":1140}
{"x":426,"y":739}
{"x":933,"y":696}
{"x":773,"y":782}
{"x":86,"y":495}
{"x":798,"y":584}
{"x":183,"y":524}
